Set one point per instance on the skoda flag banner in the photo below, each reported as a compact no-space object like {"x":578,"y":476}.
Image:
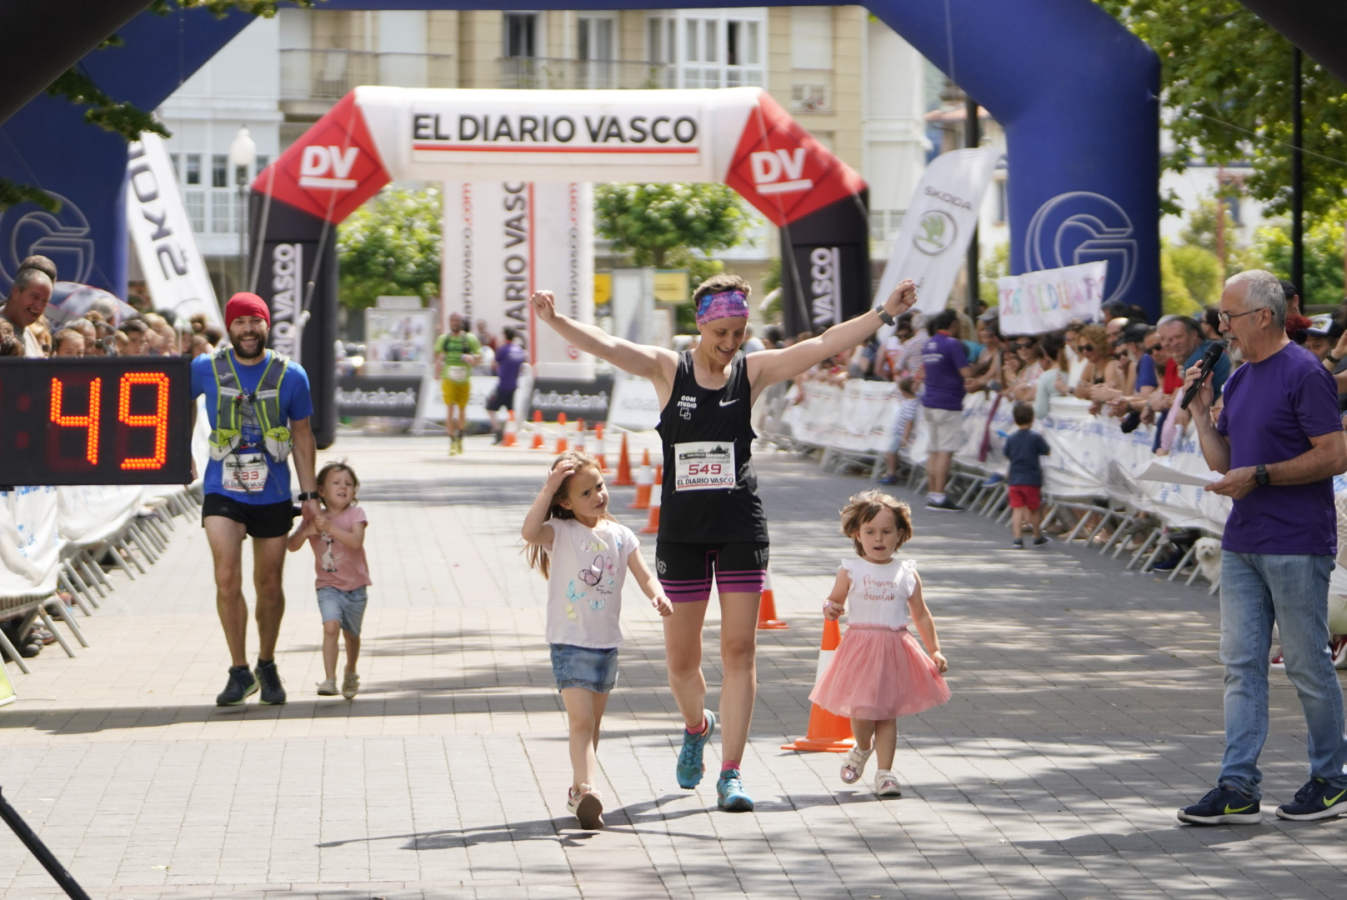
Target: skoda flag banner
{"x":738,"y":136}
{"x":161,"y":232}
{"x":938,"y":225}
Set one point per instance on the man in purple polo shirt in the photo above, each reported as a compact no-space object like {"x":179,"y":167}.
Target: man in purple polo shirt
{"x":945,"y":362}
{"x":1279,"y":443}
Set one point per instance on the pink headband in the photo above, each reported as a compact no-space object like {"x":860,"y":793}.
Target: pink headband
{"x":726,"y":304}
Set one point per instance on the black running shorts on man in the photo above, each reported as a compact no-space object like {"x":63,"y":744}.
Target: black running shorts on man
{"x":262,"y":520}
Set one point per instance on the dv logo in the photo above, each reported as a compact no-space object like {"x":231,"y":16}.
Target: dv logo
{"x":770,"y":165}
{"x":318,"y":161}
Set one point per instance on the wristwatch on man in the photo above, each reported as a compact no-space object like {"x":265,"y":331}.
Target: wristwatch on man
{"x":307,"y":495}
{"x":884,"y":315}
{"x":1260,"y":475}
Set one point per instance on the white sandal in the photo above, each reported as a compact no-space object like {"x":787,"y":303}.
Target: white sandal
{"x":886,"y":784}
{"x":855,"y":764}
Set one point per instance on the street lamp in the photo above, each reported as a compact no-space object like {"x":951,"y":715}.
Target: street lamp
{"x":242,"y":156}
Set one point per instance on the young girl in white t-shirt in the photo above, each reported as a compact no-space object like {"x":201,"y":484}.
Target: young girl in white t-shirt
{"x":585,"y":555}
{"x":879,"y":671}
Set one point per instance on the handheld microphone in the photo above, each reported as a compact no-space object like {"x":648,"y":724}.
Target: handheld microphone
{"x":1209,"y":360}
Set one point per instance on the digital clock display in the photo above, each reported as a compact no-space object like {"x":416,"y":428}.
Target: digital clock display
{"x":98,"y":420}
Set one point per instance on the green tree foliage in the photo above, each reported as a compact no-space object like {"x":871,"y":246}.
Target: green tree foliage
{"x":661,"y":224}
{"x":1323,"y":256}
{"x":1226,"y":76}
{"x":992,"y":266}
{"x":1175,"y":298}
{"x":1200,"y":271}
{"x":391,"y":246}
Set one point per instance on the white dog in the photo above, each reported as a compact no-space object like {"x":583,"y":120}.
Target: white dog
{"x":1207,"y":552}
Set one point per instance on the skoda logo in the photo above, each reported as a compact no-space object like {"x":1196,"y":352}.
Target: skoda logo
{"x":936,"y":231}
{"x":28,"y":229}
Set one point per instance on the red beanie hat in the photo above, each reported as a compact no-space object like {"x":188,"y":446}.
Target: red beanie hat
{"x":245,"y":304}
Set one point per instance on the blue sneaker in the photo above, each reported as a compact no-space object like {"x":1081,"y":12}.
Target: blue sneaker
{"x":1316,"y":800}
{"x":1223,"y":806}
{"x":730,"y":794}
{"x":690,"y":766}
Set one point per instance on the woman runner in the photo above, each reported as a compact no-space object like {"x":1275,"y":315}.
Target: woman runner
{"x":711,"y":521}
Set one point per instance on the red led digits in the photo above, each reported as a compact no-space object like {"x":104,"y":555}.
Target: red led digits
{"x":158,"y":420}
{"x":88,"y":421}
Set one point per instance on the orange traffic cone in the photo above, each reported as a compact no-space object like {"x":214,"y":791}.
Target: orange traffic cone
{"x":624,"y":466}
{"x":511,"y":434}
{"x":537,"y":429}
{"x":767,"y":620}
{"x":561,"y":437}
{"x":828,"y":732}
{"x":652,"y":522}
{"x":598,"y":455}
{"x":578,"y":444}
{"x":645,"y":479}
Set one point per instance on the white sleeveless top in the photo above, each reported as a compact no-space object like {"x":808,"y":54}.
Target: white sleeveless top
{"x":879,"y":594}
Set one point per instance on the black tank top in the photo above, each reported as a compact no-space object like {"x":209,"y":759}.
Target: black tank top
{"x":717,"y":421}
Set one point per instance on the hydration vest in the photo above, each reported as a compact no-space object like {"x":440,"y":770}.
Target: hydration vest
{"x":234,"y":408}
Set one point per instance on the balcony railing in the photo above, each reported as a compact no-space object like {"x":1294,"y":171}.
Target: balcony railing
{"x":329,"y":75}
{"x":542,"y":72}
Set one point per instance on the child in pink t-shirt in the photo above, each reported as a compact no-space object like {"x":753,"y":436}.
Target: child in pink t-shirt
{"x":337,"y":535}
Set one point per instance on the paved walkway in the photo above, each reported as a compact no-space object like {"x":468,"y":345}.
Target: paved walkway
{"x":1086,"y":709}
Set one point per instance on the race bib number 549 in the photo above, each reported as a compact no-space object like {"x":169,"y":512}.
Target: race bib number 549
{"x":703,"y":466}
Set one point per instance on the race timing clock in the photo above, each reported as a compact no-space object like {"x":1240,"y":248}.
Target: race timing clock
{"x":95,"y":420}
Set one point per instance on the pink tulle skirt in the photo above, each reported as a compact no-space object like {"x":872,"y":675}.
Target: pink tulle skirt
{"x":879,"y":673}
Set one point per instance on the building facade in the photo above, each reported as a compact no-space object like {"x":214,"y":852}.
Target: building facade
{"x":847,"y":78}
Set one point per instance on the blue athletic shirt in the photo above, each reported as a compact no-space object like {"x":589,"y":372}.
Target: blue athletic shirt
{"x":295,"y":404}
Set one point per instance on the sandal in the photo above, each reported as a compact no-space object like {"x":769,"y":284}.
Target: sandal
{"x":855,"y":764}
{"x":886,"y":784}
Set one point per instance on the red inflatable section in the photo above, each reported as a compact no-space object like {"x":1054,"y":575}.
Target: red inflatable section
{"x":331,"y":170}
{"x":783,"y":171}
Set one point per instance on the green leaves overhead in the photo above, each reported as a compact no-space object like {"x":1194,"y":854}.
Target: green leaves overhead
{"x":1226,"y":77}
{"x":658,"y":224}
{"x":391,"y":246}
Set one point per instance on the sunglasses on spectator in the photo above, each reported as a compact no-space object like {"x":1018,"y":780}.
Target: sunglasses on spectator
{"x":1086,"y":348}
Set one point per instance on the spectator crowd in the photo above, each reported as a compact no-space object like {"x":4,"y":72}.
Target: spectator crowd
{"x":30,"y":327}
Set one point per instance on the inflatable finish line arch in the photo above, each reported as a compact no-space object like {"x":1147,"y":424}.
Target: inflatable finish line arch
{"x":377,"y":134}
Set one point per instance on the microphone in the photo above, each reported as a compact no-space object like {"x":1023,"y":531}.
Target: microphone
{"x":1209,"y":360}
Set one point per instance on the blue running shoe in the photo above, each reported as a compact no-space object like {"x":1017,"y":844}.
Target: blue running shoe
{"x":690,"y":766}
{"x":1222,"y":806}
{"x":730,"y":794}
{"x":1316,"y":800}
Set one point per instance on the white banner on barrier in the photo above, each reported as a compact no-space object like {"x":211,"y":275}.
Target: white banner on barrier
{"x":635,"y":405}
{"x":1039,"y":302}
{"x":1090,"y":457}
{"x":30,"y":541}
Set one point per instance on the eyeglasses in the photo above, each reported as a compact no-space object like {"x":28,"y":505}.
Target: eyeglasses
{"x":1225,"y":317}
{"x":1151,"y":349}
{"x":1086,"y":348}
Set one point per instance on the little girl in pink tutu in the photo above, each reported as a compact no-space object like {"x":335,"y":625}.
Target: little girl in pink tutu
{"x":879,"y":671}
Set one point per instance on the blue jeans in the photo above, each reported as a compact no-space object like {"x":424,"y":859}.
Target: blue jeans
{"x":1292,"y":590}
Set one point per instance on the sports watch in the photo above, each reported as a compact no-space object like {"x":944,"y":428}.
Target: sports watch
{"x":1260,"y":475}
{"x":884,"y":315}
